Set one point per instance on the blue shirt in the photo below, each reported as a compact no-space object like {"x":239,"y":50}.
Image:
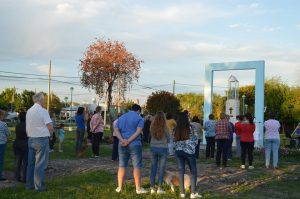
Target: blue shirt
{"x":80,"y":121}
{"x":128,"y":124}
{"x":210,"y":128}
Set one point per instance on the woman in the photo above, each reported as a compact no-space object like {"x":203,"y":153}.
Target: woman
{"x":171,"y":123}
{"x":80,"y":128}
{"x":21,"y":149}
{"x":4,"y":133}
{"x":197,"y":131}
{"x":210,"y":134}
{"x":272,"y":140}
{"x":247,"y":140}
{"x":159,"y":148}
{"x":185,"y":144}
{"x":237,"y":127}
{"x":88,"y":128}
{"x":97,"y":129}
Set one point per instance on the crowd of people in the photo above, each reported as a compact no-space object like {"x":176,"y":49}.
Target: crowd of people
{"x":181,"y":138}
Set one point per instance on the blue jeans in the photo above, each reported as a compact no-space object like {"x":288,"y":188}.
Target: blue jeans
{"x":272,"y":145}
{"x":133,"y":152}
{"x":181,"y":158}
{"x":38,"y":153}
{"x":79,"y":139}
{"x":238,"y":147}
{"x":2,"y":152}
{"x":158,"y":160}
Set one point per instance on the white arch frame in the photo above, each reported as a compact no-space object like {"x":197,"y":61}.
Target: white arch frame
{"x":259,"y":67}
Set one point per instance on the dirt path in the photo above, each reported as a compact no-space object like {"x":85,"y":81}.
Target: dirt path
{"x":226,"y":181}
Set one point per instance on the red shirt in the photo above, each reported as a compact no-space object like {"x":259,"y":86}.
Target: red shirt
{"x":247,"y":131}
{"x":237,"y":127}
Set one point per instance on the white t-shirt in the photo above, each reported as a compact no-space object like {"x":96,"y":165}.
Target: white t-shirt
{"x":37,"y":119}
{"x":272,"y":129}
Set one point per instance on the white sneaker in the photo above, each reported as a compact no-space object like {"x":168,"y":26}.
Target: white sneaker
{"x":152,"y":191}
{"x":182,"y":195}
{"x":196,"y":195}
{"x":51,"y":150}
{"x":118,"y":190}
{"x":251,"y":167}
{"x":243,"y":167}
{"x":160,"y":191}
{"x":60,"y":151}
{"x":141,"y":191}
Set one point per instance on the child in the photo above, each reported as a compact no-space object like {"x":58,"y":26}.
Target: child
{"x":61,"y":136}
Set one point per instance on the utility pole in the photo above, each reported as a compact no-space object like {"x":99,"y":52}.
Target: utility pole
{"x":174,"y":87}
{"x":49,"y":88}
{"x":119,"y":96}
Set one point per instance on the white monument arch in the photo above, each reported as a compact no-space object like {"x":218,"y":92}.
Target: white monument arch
{"x":259,"y":67}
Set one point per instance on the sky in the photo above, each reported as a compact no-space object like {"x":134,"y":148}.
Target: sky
{"x":175,"y":38}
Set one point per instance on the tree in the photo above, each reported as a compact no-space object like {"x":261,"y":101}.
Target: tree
{"x":192,"y":102}
{"x":104,"y":63}
{"x":25,"y":100}
{"x":163,"y":101}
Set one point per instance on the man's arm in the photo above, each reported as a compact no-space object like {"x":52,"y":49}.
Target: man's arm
{"x":50,"y":128}
{"x":135,"y":135}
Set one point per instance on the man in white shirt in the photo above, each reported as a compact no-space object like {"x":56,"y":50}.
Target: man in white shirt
{"x":39,"y":128}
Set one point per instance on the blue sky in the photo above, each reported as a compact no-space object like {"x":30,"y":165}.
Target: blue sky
{"x":174,"y":38}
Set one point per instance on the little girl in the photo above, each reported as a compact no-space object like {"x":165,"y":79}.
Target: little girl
{"x":61,"y":136}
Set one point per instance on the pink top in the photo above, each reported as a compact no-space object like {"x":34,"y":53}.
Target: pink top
{"x":114,"y":127}
{"x":97,"y":123}
{"x":272,"y":129}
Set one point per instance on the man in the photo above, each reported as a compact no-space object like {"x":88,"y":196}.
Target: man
{"x":4,"y":133}
{"x":128,"y":130}
{"x":222,"y":138}
{"x":39,"y":128}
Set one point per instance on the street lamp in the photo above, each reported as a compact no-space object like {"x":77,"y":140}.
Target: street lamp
{"x":243,"y":97}
{"x":246,"y":108}
{"x":71,"y":109}
{"x":66,"y":101}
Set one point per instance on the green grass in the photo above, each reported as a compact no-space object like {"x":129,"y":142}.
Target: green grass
{"x":68,"y":149}
{"x":260,"y":183}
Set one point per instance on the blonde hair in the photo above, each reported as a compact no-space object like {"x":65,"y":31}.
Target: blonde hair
{"x":158,"y":127}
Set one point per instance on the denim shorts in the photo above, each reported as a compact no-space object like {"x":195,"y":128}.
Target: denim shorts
{"x":135,"y":152}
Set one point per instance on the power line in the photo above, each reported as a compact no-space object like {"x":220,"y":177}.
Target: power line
{"x":36,"y":74}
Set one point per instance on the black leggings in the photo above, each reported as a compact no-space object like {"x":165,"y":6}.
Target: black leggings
{"x":210,"y":147}
{"x":96,"y":139}
{"x":247,"y":147}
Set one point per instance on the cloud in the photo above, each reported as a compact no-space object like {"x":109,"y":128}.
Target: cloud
{"x":55,"y":70}
{"x":237,"y":25}
{"x":271,"y":29}
{"x":298,"y":26}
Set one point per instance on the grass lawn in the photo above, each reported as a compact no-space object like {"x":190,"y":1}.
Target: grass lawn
{"x":258,"y":183}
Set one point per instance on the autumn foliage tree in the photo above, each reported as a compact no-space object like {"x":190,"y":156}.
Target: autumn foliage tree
{"x":104,"y":63}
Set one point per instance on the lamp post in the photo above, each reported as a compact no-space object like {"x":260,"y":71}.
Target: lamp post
{"x":66,"y":101}
{"x":71,"y":109}
{"x":246,"y":108}
{"x":243,"y":97}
